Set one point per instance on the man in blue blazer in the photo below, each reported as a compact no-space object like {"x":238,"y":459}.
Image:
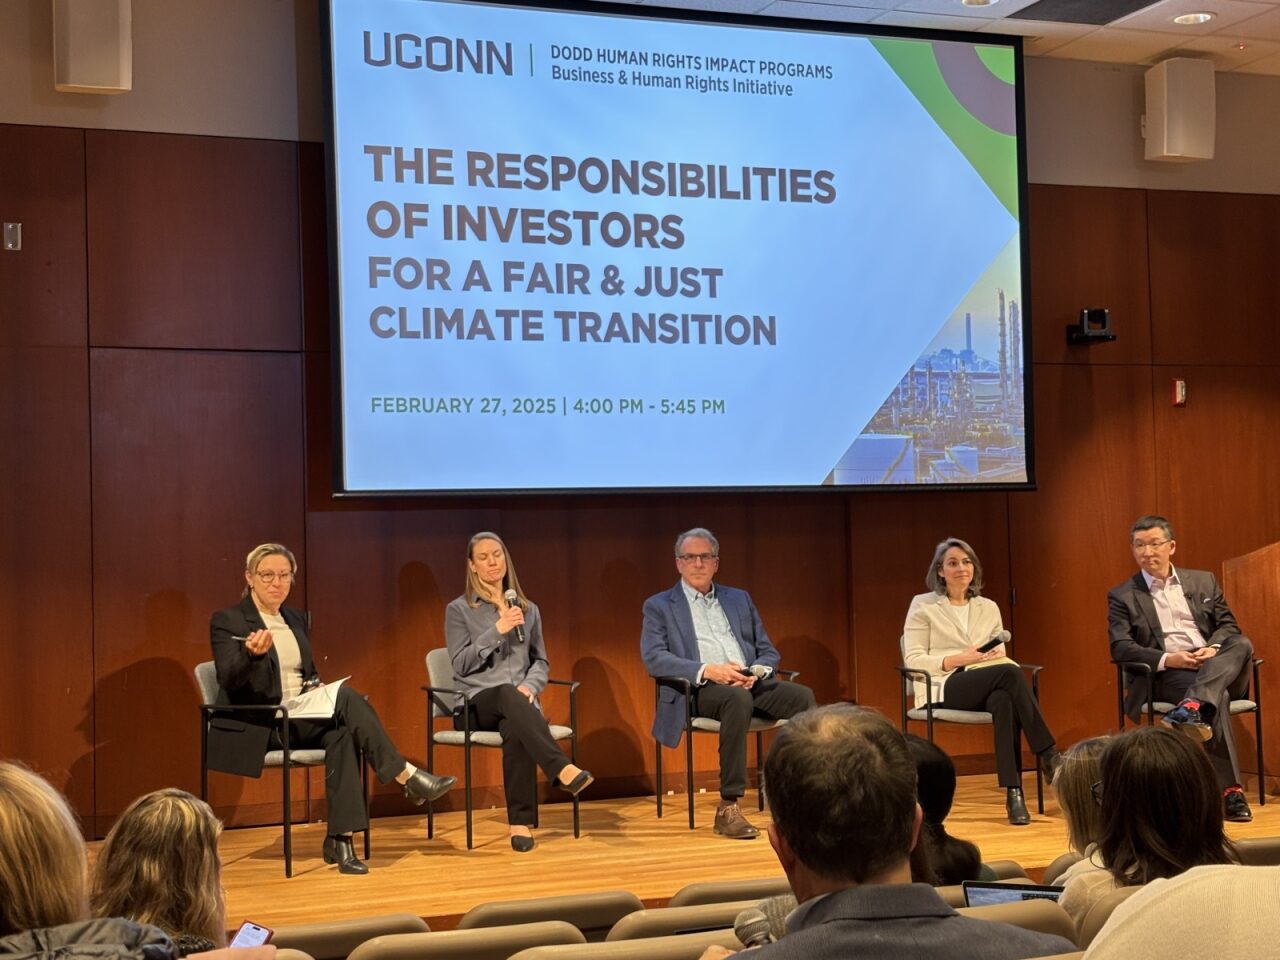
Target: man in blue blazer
{"x":712,"y":636}
{"x":1178,"y":623}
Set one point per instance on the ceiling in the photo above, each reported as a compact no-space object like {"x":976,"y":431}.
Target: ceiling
{"x":1242,"y":37}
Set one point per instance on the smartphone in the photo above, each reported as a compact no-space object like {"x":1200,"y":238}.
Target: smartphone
{"x":251,"y":935}
{"x":991,"y":644}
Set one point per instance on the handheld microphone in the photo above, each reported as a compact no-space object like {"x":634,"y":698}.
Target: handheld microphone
{"x":513,"y":599}
{"x":752,"y":929}
{"x":760,"y":670}
{"x":776,"y":910}
{"x":1004,"y":636}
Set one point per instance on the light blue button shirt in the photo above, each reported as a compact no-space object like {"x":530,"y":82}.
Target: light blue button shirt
{"x":716,"y":642}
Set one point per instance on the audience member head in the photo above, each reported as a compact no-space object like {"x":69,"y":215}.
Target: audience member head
{"x":1161,"y":807}
{"x":159,"y":865}
{"x":43,"y":880}
{"x":935,"y":579}
{"x":842,"y":790}
{"x":1073,"y":784}
{"x":940,"y":858}
{"x":490,"y":569}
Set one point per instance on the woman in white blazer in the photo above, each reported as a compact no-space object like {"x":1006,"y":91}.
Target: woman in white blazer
{"x":943,"y":631}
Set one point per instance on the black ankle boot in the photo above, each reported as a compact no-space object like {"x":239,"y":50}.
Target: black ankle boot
{"x":1016,"y":807}
{"x":339,"y":850}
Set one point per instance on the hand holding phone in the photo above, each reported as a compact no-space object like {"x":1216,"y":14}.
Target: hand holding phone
{"x":999,"y":638}
{"x":251,"y":935}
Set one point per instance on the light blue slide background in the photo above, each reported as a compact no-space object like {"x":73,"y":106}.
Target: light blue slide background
{"x":859,"y":287}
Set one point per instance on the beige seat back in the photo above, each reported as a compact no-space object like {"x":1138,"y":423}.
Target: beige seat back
{"x":670,"y":921}
{"x":1259,"y":851}
{"x":484,"y":943}
{"x":1100,"y":913}
{"x":288,"y":953}
{"x":687,"y":947}
{"x":722,"y":891}
{"x":1007,"y":870}
{"x":1043,"y":916}
{"x":594,"y":914}
{"x":1059,"y":866}
{"x":336,"y":939}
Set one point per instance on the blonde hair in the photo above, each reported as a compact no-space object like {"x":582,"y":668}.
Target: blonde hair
{"x":1073,"y":782}
{"x":159,"y":865}
{"x":261,"y":552}
{"x":477,"y":587}
{"x":43,"y":879}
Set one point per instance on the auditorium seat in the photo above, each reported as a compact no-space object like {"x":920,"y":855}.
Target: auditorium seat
{"x":1100,"y":913}
{"x":336,"y":939}
{"x":442,"y":693}
{"x":931,"y":713}
{"x":1040,"y":915}
{"x":720,"y":891}
{"x":1259,"y":851}
{"x":1059,"y":866}
{"x":685,"y":947}
{"x":1007,"y":869}
{"x":484,"y":943}
{"x":288,"y":953}
{"x":594,"y":914}
{"x":667,"y":921}
{"x":758,"y":725}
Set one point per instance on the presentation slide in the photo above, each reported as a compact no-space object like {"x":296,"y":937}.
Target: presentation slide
{"x":581,"y":250}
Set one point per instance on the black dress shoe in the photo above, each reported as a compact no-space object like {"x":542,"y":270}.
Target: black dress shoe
{"x":522,"y":844}
{"x":1190,"y":721}
{"x":423,"y":786}
{"x":578,"y":783}
{"x":1016,"y":807}
{"x":1236,"y":807}
{"x":339,"y":850}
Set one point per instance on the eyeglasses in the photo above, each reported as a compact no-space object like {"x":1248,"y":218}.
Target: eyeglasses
{"x":697,"y":557}
{"x":1141,"y":547}
{"x":1096,"y":790}
{"x":270,"y":576}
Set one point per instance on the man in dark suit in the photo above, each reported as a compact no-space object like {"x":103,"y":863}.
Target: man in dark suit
{"x":1178,"y":623}
{"x":842,"y":789}
{"x":712,"y":636}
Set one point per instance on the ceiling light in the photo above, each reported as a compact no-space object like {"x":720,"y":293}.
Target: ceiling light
{"x":1193,"y":19}
{"x":978,"y":3}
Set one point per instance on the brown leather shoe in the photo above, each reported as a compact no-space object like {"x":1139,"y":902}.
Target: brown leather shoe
{"x":732,"y":824}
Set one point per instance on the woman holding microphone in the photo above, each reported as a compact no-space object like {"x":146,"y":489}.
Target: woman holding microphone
{"x":494,"y":636}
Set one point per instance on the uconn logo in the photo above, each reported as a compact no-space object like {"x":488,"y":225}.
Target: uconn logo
{"x":441,"y":54}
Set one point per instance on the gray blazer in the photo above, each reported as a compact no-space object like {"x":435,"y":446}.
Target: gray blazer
{"x":483,"y":657}
{"x":897,"y":921}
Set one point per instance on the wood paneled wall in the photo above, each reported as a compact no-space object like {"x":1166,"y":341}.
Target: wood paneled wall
{"x":164,"y":371}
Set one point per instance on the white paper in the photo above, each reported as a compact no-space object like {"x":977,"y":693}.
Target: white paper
{"x":317,"y":703}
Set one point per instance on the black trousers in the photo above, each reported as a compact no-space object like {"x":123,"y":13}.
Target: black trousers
{"x":355,"y":727}
{"x":526,"y":745}
{"x":734,"y":707}
{"x":1002,"y":691}
{"x":1223,"y":678}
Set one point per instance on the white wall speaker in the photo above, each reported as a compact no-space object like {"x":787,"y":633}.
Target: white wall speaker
{"x":92,"y":46}
{"x":1180,"y":119}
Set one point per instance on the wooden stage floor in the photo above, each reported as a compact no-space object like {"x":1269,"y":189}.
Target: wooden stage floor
{"x":623,"y":846}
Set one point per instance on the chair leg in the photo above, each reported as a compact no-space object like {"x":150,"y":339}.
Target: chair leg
{"x":688,"y":770}
{"x":760,"y":769}
{"x":466,"y":766}
{"x":573,"y":758}
{"x":431,"y":747}
{"x":657,"y":752}
{"x":1262,"y":774}
{"x":288,"y":823}
{"x":364,"y":789}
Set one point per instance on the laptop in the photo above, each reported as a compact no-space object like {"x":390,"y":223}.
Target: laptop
{"x":983,"y":893}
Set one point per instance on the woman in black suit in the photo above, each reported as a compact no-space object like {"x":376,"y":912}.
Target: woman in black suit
{"x":263,"y":656}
